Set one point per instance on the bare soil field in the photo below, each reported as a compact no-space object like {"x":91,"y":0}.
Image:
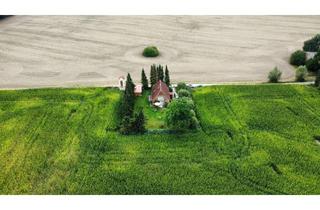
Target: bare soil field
{"x":44,"y":51}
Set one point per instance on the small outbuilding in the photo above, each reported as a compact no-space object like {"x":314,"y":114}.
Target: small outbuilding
{"x":122,"y":86}
{"x":138,"y":90}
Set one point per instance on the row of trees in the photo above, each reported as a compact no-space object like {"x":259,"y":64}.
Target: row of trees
{"x":299,"y":58}
{"x":156,"y":74}
{"x":130,"y":122}
{"x":301,"y":74}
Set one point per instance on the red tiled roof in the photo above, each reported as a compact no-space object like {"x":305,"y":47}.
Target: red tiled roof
{"x":160,"y":89}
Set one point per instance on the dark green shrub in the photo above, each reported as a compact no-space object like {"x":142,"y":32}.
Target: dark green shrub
{"x":298,"y":58}
{"x":274,"y":75}
{"x":182,"y":85}
{"x":184,"y":93}
{"x":301,"y":74}
{"x":312,"y":45}
{"x":150,"y":51}
{"x":180,"y":115}
{"x":133,"y":125}
{"x":313,"y":64}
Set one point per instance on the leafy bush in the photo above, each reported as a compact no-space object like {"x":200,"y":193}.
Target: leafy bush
{"x":301,"y":74}
{"x":181,"y":116}
{"x":274,"y":75}
{"x":133,"y":125}
{"x":312,"y":45}
{"x":184,"y":93}
{"x":313,"y":64}
{"x":298,"y":58}
{"x":150,"y":51}
{"x":182,"y":85}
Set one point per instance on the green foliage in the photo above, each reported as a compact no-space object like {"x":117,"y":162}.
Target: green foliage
{"x":126,"y":125}
{"x":301,"y":73}
{"x":144,"y":80}
{"x":126,"y":105}
{"x":298,"y":58}
{"x":181,"y":116}
{"x":312,"y":45}
{"x":313,"y":64}
{"x":184,"y":93}
{"x":182,"y":85}
{"x":153,"y":75}
{"x":160,"y":75}
{"x":139,"y":122}
{"x":150,"y":51}
{"x":133,"y":125}
{"x":317,"y":80}
{"x":274,"y":75}
{"x":154,"y":116}
{"x":167,"y":76}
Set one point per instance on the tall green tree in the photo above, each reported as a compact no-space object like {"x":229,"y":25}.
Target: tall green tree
{"x":139,"y":122}
{"x":144,"y":80}
{"x":127,"y":101}
{"x":133,"y":125}
{"x":167,"y":77}
{"x":153,"y":75}
{"x":160,"y":74}
{"x":180,"y":115}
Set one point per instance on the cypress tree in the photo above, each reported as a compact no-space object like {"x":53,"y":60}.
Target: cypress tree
{"x":139,"y":122}
{"x":129,"y":87}
{"x":144,"y":80}
{"x":128,"y":98}
{"x":160,"y":73}
{"x":153,"y":75}
{"x":167,"y":77}
{"x":317,"y":81}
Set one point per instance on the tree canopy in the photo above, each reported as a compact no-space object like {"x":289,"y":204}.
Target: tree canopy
{"x":180,"y":115}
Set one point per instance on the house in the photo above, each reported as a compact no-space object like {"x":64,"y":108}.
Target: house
{"x":122,"y":86}
{"x":160,"y":94}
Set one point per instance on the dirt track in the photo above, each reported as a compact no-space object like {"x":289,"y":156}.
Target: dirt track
{"x":39,"y":51}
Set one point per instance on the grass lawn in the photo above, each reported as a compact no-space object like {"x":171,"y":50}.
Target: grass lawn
{"x":254,"y":140}
{"x":155,"y":116}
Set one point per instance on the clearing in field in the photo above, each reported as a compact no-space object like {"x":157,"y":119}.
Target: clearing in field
{"x":155,"y":116}
{"x":42,"y":51}
{"x":254,"y":140}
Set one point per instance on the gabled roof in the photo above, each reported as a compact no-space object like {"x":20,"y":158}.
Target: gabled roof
{"x":160,"y":89}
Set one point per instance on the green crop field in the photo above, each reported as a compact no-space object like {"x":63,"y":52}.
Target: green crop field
{"x":254,"y":140}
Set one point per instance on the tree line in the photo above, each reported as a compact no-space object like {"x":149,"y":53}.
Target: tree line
{"x":130,"y":122}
